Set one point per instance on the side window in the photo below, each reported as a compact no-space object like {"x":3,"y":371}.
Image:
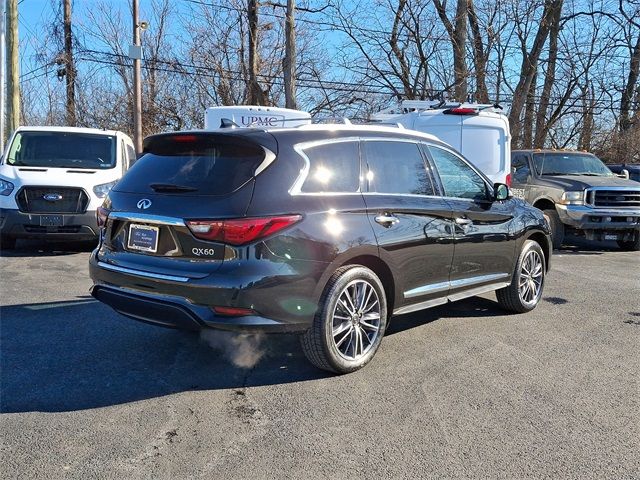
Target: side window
{"x":333,"y":167}
{"x":458,"y":179}
{"x":520,"y":168}
{"x":131,"y":154}
{"x":396,"y":167}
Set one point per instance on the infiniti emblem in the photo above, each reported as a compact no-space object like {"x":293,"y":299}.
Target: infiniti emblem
{"x":52,"y":197}
{"x":144,"y":203}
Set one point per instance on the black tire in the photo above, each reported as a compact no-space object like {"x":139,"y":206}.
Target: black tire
{"x":631,"y":245}
{"x":512,"y":298}
{"x":324,"y":343}
{"x":557,"y":227}
{"x":7,"y":243}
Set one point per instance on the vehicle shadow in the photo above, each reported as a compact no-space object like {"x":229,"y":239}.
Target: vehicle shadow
{"x":35,"y":248}
{"x":574,"y":245}
{"x":79,"y":354}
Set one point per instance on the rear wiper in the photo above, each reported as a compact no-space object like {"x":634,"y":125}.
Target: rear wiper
{"x":168,"y":187}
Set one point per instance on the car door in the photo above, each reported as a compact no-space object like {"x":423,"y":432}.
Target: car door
{"x":484,"y":246}
{"x":411,"y":223}
{"x":520,"y":176}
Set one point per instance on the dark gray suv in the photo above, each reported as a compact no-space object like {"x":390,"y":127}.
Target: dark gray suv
{"x":326,"y":231}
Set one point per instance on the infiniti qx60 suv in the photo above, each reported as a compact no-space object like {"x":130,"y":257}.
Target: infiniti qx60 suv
{"x":326,"y":231}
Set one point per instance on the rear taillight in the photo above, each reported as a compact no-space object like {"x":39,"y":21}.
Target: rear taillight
{"x":101,"y":216}
{"x":508,"y":180}
{"x":233,"y":311}
{"x":240,"y":231}
{"x":461,"y":111}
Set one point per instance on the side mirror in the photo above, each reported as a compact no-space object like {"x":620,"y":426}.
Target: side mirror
{"x":500,"y":191}
{"x":624,"y":174}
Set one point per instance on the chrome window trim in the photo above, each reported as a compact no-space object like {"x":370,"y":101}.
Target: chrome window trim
{"x":269,"y":157}
{"x":438,"y":287}
{"x":147,"y":218}
{"x":140,"y":273}
{"x":304,"y":171}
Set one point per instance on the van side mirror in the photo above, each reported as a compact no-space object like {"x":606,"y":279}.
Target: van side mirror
{"x":500,"y":192}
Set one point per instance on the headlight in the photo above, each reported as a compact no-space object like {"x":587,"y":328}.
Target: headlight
{"x":572,"y":198}
{"x":5,"y":187}
{"x":102,"y":191}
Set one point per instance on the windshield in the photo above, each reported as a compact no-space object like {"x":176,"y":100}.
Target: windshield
{"x":63,"y":150}
{"x":570,"y":164}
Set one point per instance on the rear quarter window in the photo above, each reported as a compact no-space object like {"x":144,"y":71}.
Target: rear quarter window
{"x":204,"y":165}
{"x":333,"y":167}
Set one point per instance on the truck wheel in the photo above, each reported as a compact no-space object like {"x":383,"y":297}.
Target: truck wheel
{"x":631,"y":245}
{"x":350,"y":322}
{"x":7,"y":243}
{"x":557,"y":227}
{"x":527,"y":282}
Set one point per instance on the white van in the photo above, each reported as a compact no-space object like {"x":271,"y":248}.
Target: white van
{"x":254,"y":116}
{"x":480,"y":132}
{"x":52,"y":180}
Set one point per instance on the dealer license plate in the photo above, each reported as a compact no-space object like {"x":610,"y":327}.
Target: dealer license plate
{"x":51,"y":220}
{"x":143,"y":238}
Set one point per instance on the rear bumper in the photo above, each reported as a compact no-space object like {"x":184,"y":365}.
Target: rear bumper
{"x":15,"y":224}
{"x":178,"y":302}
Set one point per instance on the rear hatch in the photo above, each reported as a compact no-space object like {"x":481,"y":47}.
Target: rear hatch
{"x":182,"y":180}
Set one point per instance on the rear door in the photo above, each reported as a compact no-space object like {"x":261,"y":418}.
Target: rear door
{"x":521,"y":176}
{"x":410,"y":222}
{"x":180,"y":178}
{"x":484,"y":247}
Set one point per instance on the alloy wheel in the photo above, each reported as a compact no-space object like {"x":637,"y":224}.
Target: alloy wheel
{"x":356,"y":320}
{"x":531,"y":278}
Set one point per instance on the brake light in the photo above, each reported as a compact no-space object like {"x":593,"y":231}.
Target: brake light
{"x":233,"y":311}
{"x":240,"y":231}
{"x":461,"y":111}
{"x":508,"y":180}
{"x":102,"y":214}
{"x":184,"y":138}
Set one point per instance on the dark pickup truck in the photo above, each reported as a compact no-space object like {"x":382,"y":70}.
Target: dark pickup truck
{"x":578,"y":194}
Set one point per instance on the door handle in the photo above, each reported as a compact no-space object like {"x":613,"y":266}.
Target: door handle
{"x":387,"y":220}
{"x":463,"y":221}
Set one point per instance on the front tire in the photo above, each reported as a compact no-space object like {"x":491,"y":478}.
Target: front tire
{"x":556,"y":226}
{"x":527,"y":283}
{"x":350,"y":321}
{"x":631,"y":245}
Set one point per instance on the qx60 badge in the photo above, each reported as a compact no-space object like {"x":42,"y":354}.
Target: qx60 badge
{"x":144,"y":203}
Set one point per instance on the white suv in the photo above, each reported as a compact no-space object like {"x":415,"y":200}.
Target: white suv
{"x":52,"y":180}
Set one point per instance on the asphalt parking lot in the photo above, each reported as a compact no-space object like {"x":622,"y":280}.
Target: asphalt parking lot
{"x":460,"y":391}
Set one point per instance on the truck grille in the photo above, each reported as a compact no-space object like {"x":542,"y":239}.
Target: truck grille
{"x":61,"y":200}
{"x":607,"y":198}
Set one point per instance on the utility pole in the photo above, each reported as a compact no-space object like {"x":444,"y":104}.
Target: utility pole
{"x":3,"y":77}
{"x":289,"y":62}
{"x":137,"y":82}
{"x":70,"y":68}
{"x":13,"y":65}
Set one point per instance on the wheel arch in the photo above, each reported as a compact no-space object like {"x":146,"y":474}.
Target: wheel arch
{"x":541,"y":239}
{"x":544,"y":203}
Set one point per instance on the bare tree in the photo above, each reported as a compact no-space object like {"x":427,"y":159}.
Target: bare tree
{"x":457,"y":31}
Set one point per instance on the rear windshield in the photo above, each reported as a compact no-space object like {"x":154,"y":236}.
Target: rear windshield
{"x":193,"y":165}
{"x":62,"y":150}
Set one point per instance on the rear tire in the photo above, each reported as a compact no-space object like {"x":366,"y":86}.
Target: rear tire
{"x":527,"y":283}
{"x":7,"y":243}
{"x":556,"y":226}
{"x":350,"y":322}
{"x":631,"y":245}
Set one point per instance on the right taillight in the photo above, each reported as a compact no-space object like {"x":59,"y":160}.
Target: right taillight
{"x":242,"y":230}
{"x":508,"y":180}
{"x":102,"y":214}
